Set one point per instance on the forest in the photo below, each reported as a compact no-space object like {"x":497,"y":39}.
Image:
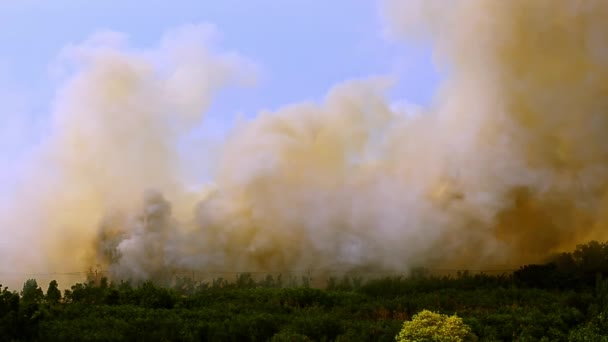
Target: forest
{"x":564,"y":299}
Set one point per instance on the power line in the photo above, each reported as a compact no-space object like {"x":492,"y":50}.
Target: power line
{"x":299,"y":272}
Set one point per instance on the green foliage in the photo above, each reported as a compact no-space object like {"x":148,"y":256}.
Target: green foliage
{"x":9,"y":301}
{"x":588,"y":333}
{"x":493,"y":308}
{"x":53,"y":295}
{"x":150,"y":296}
{"x":435,"y":327}
{"x":552,"y":302}
{"x":290,"y":336}
{"x":9,"y":309}
{"x":373,"y":311}
{"x":31,"y":292}
{"x":575,"y":270}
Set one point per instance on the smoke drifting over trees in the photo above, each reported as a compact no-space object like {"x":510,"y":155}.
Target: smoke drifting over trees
{"x":508,"y":165}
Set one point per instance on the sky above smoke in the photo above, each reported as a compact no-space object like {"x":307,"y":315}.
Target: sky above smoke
{"x":505,"y":165}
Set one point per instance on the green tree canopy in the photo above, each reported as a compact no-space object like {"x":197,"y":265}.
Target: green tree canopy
{"x":428,"y":326}
{"x":53,"y":295}
{"x":31,"y":292}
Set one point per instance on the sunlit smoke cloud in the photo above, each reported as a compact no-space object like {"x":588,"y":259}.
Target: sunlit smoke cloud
{"x":524,"y":87}
{"x":115,"y":125}
{"x":507,"y":166}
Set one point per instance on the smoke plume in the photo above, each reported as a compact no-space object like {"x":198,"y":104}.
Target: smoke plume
{"x":507,"y":166}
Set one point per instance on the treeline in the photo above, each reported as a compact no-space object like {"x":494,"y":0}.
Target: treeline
{"x":523,"y":306}
{"x":575,"y":270}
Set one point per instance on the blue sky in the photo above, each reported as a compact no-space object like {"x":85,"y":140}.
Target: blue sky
{"x":302,"y":46}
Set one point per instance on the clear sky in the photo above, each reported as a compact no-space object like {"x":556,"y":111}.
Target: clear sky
{"x":303,"y":47}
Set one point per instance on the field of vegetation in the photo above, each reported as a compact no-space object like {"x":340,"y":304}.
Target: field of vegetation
{"x":563,"y":300}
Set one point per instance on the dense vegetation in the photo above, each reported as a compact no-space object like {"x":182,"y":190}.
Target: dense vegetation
{"x":563,"y":300}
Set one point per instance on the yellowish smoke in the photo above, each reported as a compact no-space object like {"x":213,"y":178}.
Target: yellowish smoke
{"x":527,"y":87}
{"x":509,"y":165}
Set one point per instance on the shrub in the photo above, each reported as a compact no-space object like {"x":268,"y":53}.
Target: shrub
{"x":430,"y":326}
{"x":290,"y":336}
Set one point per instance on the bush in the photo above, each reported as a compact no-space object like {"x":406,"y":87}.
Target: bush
{"x":430,"y":326}
{"x":290,"y":336}
{"x":587,"y":333}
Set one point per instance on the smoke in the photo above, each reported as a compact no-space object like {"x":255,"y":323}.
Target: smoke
{"x":114,"y":132}
{"x":526,"y":112}
{"x":508,"y":166}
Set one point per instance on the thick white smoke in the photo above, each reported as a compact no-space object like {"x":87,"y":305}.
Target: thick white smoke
{"x":507,"y":166}
{"x":525,"y":93}
{"x":115,"y":129}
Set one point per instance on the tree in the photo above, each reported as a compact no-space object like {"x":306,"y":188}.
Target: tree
{"x":53,"y":295}
{"x":428,"y":326}
{"x":31,"y":293}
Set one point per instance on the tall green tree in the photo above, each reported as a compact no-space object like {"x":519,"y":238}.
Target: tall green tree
{"x":53,"y":295}
{"x":31,"y":292}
